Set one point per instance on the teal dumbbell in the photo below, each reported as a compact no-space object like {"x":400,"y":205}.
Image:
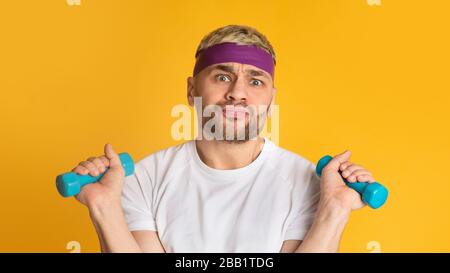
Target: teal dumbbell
{"x":69,"y":184}
{"x":373,"y":194}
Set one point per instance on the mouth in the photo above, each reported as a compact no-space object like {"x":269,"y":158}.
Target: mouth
{"x":234,"y":112}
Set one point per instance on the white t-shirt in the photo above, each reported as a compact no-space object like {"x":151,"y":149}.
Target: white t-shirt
{"x":196,"y":208}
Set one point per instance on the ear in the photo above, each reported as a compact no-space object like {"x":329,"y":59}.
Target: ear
{"x":190,"y":90}
{"x":274,"y":92}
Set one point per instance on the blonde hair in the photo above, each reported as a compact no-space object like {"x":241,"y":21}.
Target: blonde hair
{"x":239,"y":34}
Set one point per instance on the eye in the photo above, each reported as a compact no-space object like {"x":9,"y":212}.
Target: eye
{"x":223,"y":78}
{"x":256,"y":82}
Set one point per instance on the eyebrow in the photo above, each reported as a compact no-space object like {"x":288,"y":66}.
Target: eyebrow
{"x":230,"y":69}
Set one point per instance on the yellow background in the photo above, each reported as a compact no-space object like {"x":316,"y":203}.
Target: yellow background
{"x":374,"y":79}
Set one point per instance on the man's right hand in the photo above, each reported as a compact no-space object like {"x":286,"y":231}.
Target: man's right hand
{"x":108,"y":190}
{"x":103,"y":199}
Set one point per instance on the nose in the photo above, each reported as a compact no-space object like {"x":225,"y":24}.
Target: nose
{"x":237,"y":91}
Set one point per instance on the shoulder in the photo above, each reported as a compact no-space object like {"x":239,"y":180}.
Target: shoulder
{"x":290,"y":165}
{"x":157,"y":164}
{"x":299,"y":173}
{"x":180,"y":151}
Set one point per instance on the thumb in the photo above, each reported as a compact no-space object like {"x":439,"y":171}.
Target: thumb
{"x":114,"y":160}
{"x":336,"y":162}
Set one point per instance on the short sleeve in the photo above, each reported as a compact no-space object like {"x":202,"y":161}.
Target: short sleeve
{"x":305,"y":198}
{"x":137,"y":200}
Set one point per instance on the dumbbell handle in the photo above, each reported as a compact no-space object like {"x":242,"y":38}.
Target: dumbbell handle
{"x":70,"y":183}
{"x":373,"y":194}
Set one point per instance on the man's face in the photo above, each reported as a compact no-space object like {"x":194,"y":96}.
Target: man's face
{"x":242,"y":91}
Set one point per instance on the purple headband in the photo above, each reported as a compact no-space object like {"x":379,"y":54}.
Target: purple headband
{"x":231,"y":52}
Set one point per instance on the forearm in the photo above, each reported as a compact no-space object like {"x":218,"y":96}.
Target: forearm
{"x":326,"y":231}
{"x":112,"y":230}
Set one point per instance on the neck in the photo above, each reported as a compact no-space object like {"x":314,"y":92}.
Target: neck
{"x":224,"y":155}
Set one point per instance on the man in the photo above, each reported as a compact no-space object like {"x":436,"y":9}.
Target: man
{"x":224,"y":192}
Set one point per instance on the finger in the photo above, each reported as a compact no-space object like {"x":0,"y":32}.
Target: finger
{"x":345,"y":165}
{"x":91,"y":167}
{"x":352,"y":177}
{"x":112,"y":156}
{"x":80,"y":170}
{"x":351,"y":169}
{"x":339,"y":159}
{"x":365,"y":178}
{"x":98,"y":163}
{"x":104,"y":160}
